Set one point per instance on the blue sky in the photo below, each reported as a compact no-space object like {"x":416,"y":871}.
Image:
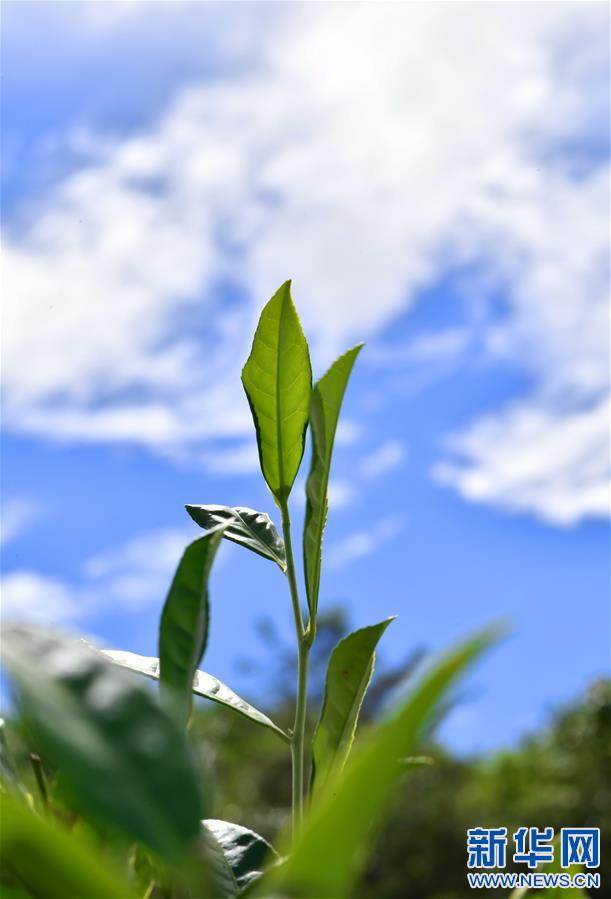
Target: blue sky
{"x":434,"y":179}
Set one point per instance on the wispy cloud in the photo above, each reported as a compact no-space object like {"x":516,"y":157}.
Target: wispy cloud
{"x":17,"y":516}
{"x":340,"y":494}
{"x":132,"y":576}
{"x":363,"y":543}
{"x":550,"y":464}
{"x":28,"y":595}
{"x":385,"y":458}
{"x":113,"y":276}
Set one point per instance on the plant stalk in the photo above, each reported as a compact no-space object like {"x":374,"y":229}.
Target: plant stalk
{"x":39,"y":774}
{"x":301,"y":705}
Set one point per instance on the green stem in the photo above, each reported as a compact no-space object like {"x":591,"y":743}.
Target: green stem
{"x":298,"y":745}
{"x":303,"y":652}
{"x":39,"y":774}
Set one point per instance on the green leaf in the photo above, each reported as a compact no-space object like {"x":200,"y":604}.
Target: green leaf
{"x":7,"y":768}
{"x":203,"y":685}
{"x":124,"y":759}
{"x":52,"y":863}
{"x":11,"y":892}
{"x":277,"y":379}
{"x":341,"y":825}
{"x":325,"y":405}
{"x":252,"y":529}
{"x":348,"y":675}
{"x":183,"y":630}
{"x":236,"y":855}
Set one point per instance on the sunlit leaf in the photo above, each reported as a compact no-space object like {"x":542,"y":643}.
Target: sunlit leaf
{"x":51,"y":863}
{"x":325,"y":405}
{"x":252,"y":529}
{"x":277,"y":378}
{"x":124,"y":759}
{"x":183,"y":630}
{"x":204,"y":684}
{"x":340,"y":828}
{"x":236,"y":855}
{"x":348,"y":675}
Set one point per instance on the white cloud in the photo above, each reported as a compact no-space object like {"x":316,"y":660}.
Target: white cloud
{"x":241,"y":459}
{"x":553,"y":465}
{"x":131,"y":576}
{"x":340,"y":494}
{"x":17,"y":516}
{"x":383,"y":459}
{"x":362,"y":543}
{"x":431,"y":347}
{"x":371,"y":149}
{"x":27,"y":595}
{"x":548,"y":453}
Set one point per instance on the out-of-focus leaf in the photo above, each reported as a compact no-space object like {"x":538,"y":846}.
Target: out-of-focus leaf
{"x":7,"y":769}
{"x":236,"y":855}
{"x":252,"y":529}
{"x":342,"y":822}
{"x":125,"y":760}
{"x":11,"y":892}
{"x":203,"y":685}
{"x":183,"y":630}
{"x":277,"y":379}
{"x":51,"y":863}
{"x":418,"y":761}
{"x":325,"y":405}
{"x":348,"y":675}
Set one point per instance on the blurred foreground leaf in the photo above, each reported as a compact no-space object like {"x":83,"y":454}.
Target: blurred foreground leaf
{"x":125,"y":759}
{"x":339,"y":830}
{"x":51,"y":863}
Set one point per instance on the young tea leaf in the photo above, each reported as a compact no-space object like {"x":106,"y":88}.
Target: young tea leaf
{"x":252,"y":529}
{"x":183,"y":630}
{"x":277,"y":379}
{"x":348,"y":675}
{"x":125,"y":761}
{"x":50,"y":862}
{"x":341,"y":825}
{"x":203,"y":685}
{"x":237,"y":855}
{"x":325,"y":405}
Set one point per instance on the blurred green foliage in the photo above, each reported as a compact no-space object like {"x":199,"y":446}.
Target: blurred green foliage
{"x":559,"y":776}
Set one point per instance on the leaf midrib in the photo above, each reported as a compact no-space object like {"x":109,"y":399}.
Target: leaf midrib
{"x":279,"y":442}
